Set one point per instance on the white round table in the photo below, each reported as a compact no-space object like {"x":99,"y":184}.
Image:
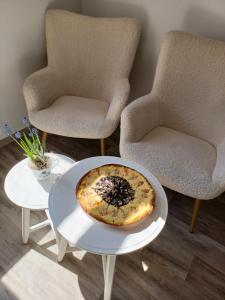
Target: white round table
{"x":24,"y":190}
{"x":82,"y":231}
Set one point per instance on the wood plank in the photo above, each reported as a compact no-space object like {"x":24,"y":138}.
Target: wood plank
{"x":209,"y":279}
{"x":177,"y":243}
{"x":5,"y":141}
{"x":178,"y":265}
{"x":211,"y":219}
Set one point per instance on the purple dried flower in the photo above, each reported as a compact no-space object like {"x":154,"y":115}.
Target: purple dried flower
{"x":18,"y":135}
{"x":7,"y":129}
{"x":34,"y":131}
{"x":26,"y":122}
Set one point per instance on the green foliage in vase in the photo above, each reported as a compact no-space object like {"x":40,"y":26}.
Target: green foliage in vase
{"x":29,"y":143}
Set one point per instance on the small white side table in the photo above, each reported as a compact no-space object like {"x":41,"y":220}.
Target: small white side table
{"x":24,"y":190}
{"x":81,"y":231}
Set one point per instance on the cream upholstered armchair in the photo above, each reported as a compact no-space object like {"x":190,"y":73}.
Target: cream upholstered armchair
{"x":84,"y":88}
{"x":178,"y":130}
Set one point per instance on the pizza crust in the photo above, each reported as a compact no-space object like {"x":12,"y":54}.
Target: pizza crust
{"x":143,"y":202}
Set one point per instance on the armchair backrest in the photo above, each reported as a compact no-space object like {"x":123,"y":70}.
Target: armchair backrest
{"x":190,"y":83}
{"x":90,"y":53}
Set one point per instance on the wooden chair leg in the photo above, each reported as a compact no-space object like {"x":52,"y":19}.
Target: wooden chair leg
{"x":44,"y":138}
{"x":195,"y":214}
{"x":102,"y":141}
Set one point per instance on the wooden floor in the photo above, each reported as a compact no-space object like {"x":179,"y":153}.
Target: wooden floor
{"x":177,"y":265}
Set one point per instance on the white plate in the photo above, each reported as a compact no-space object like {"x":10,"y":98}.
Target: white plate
{"x":86,"y":233}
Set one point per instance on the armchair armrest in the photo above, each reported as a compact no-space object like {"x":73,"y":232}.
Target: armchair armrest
{"x":139,"y":117}
{"x":41,"y":89}
{"x":218,"y":175}
{"x":118,"y":101}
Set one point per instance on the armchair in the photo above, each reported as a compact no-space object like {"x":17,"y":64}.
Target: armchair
{"x":84,"y":88}
{"x":178,"y":130}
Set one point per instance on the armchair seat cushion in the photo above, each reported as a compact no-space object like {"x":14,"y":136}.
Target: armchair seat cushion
{"x":181,"y":162}
{"x":73,"y":117}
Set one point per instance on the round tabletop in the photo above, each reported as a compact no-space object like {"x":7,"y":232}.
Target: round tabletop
{"x":84,"y":232}
{"x":24,"y":190}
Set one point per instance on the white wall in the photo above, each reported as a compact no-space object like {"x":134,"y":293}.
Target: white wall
{"x":204,"y":17}
{"x":22,"y":46}
{"x":22,"y":50}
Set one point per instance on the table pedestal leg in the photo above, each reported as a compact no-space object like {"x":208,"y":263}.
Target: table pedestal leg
{"x":62,"y":248}
{"x":57,"y":236}
{"x":109,"y":262}
{"x":104,"y":262}
{"x":25,"y":224}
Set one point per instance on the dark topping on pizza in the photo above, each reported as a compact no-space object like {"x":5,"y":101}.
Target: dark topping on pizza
{"x":115,"y":190}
